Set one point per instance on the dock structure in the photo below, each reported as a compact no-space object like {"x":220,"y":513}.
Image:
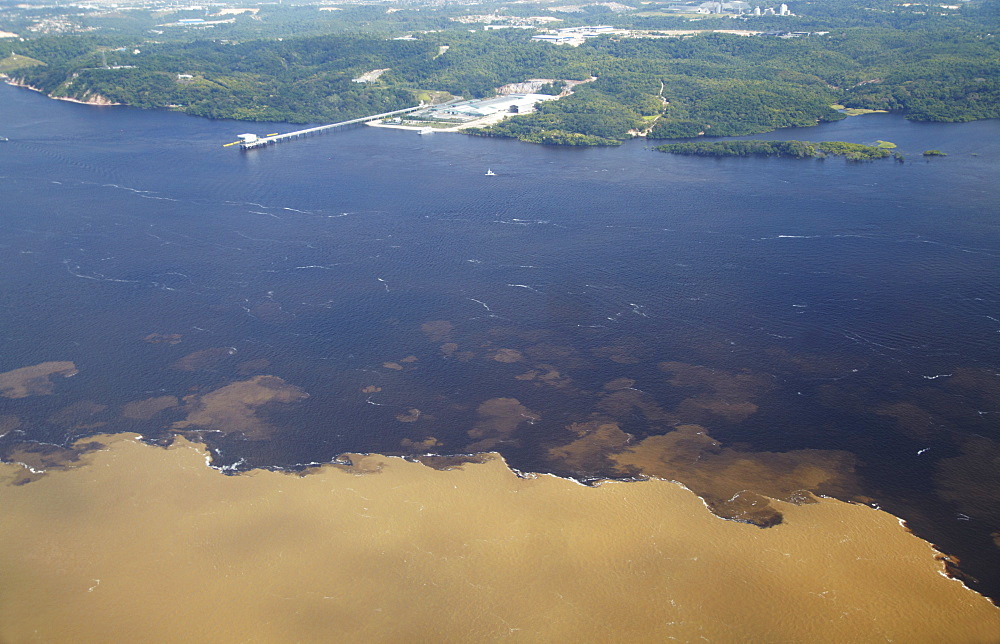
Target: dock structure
{"x":251,"y":141}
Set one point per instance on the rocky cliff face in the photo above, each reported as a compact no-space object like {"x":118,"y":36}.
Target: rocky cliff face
{"x":91,"y":99}
{"x":87,"y":98}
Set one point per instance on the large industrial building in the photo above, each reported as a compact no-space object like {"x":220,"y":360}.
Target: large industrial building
{"x":473,"y":110}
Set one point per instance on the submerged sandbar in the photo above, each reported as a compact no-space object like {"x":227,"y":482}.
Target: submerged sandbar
{"x":138,"y":543}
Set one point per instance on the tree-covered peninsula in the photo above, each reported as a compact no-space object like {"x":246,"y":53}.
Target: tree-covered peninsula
{"x":926,"y":62}
{"x":787,"y":149}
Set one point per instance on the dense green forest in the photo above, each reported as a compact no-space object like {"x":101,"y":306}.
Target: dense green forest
{"x":788,"y":149}
{"x":927,"y":65}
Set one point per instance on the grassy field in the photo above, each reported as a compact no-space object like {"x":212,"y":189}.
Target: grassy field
{"x":15,"y":62}
{"x":856,"y":111}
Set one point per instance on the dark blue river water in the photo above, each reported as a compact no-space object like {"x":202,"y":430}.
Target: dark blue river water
{"x":849,"y":308}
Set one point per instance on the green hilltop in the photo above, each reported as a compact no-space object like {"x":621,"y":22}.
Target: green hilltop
{"x":832,"y":59}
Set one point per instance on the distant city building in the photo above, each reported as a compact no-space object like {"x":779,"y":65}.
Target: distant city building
{"x":555,"y":39}
{"x":574,"y":35}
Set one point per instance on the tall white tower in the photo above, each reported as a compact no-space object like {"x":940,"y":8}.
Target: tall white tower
{"x":784,"y":10}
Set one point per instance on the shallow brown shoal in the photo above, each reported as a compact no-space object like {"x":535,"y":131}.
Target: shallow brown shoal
{"x":140,"y":543}
{"x":35,"y":380}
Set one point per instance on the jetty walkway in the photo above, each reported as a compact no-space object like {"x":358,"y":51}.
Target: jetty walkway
{"x":251,"y":141}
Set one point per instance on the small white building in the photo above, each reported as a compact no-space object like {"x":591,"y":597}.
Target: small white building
{"x":463,"y":110}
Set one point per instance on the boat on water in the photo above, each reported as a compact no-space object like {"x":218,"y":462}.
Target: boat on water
{"x":490,"y":173}
{"x":425,"y":130}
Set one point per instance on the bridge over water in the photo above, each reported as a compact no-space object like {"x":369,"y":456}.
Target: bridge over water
{"x":251,"y":141}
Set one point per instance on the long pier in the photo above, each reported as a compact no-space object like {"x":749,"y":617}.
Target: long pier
{"x":251,"y":141}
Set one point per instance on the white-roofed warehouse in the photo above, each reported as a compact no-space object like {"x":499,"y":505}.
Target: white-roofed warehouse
{"x":471,"y":110}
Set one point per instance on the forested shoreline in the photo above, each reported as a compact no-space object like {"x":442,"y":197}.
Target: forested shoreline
{"x":786,"y":149}
{"x":926,"y":67}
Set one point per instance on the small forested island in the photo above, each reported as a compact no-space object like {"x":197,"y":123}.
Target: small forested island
{"x":663,"y":72}
{"x":789,"y":149}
